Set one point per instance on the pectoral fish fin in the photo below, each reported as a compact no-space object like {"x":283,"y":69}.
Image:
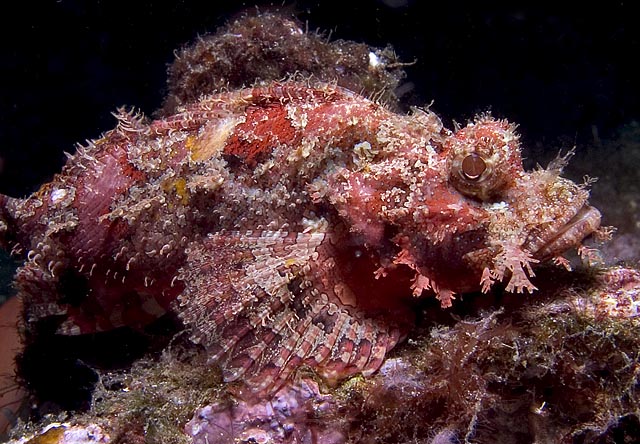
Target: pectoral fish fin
{"x":266,"y":303}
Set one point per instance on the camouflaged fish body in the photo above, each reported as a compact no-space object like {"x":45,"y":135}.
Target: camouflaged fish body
{"x":288,"y":225}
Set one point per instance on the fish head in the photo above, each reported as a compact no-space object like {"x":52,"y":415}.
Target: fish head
{"x":460,"y":209}
{"x":506,"y":219}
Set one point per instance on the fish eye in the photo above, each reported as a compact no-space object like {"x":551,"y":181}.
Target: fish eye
{"x":484,"y":159}
{"x":481,"y":174}
{"x":473,"y":166}
{"x":474,"y":174}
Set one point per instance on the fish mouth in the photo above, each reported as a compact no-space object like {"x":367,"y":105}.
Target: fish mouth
{"x":583,"y":223}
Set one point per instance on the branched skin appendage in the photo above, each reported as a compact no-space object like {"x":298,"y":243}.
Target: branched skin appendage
{"x":287,"y":224}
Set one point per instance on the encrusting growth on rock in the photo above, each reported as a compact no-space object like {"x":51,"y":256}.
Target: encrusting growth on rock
{"x":272,"y":47}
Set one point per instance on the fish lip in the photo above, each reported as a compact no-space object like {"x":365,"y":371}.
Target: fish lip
{"x":583,"y":223}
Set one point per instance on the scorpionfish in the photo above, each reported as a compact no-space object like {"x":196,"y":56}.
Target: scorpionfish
{"x":287,"y":224}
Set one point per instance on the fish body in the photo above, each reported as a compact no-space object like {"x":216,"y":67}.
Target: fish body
{"x":287,"y":224}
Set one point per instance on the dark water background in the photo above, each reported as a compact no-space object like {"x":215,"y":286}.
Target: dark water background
{"x":66,"y":64}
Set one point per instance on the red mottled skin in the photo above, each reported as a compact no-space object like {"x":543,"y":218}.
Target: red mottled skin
{"x":287,"y":224}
